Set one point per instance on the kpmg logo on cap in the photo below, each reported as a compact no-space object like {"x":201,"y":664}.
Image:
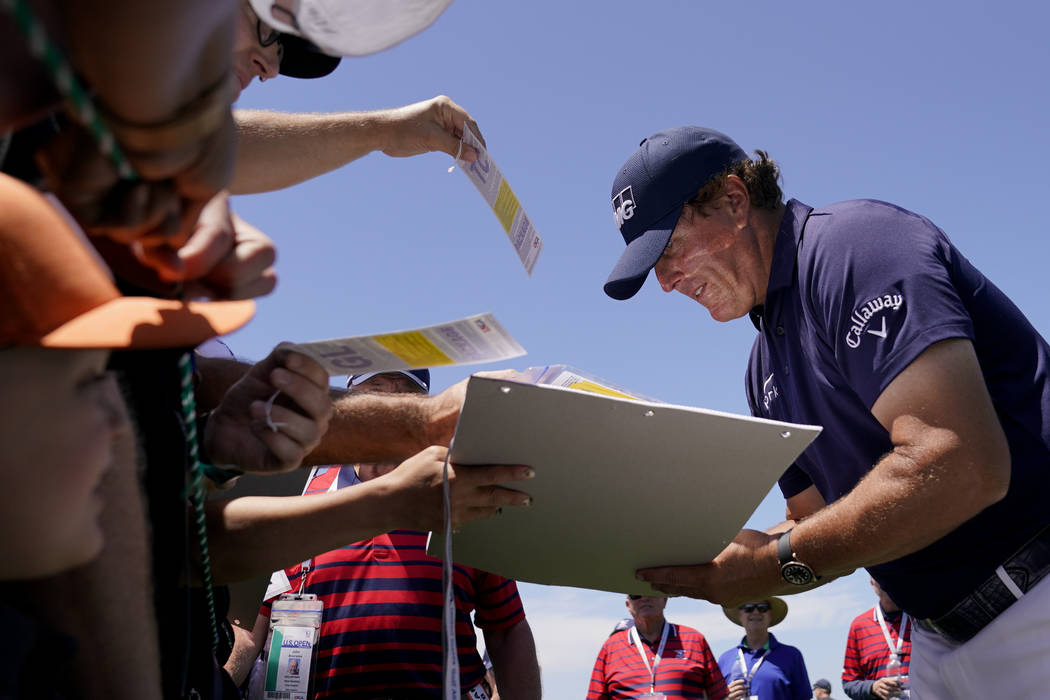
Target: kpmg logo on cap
{"x":623,"y":206}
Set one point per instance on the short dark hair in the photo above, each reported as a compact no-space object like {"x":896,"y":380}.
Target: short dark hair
{"x":761,"y":175}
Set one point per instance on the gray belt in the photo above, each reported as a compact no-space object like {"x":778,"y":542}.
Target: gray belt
{"x":1024,"y":570}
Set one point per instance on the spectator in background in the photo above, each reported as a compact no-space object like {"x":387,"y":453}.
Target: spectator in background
{"x":654,"y":656}
{"x":362,"y":655}
{"x":760,"y":665}
{"x":878,"y":652}
{"x":822,"y":689}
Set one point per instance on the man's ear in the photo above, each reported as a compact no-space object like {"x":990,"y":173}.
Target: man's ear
{"x":739,"y":199}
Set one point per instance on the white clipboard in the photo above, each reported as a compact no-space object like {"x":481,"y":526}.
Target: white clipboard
{"x":620,"y":484}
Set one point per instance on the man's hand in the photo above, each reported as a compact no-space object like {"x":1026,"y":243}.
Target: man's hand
{"x":434,"y":125}
{"x":245,"y":272}
{"x":737,"y":690}
{"x":224,"y":258}
{"x":472,"y":490}
{"x":442,"y":410}
{"x":748,"y":569}
{"x":238,"y":434}
{"x":886,"y":688}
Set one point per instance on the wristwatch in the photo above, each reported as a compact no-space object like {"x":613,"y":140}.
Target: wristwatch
{"x":792,"y":570}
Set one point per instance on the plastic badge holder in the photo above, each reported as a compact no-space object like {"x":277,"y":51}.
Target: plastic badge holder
{"x":291,"y":647}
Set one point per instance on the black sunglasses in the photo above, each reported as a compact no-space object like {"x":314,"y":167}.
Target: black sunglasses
{"x":266,"y":34}
{"x":752,"y":607}
{"x":634,"y":597}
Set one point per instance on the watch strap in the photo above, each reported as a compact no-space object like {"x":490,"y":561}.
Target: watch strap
{"x":784,"y":552}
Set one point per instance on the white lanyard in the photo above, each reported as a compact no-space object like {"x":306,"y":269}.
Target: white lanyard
{"x":450,"y":642}
{"x":754,"y":669}
{"x":894,"y":650}
{"x":637,"y":638}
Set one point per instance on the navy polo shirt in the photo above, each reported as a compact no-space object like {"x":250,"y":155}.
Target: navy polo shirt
{"x":781,"y":675}
{"x":857,"y":291}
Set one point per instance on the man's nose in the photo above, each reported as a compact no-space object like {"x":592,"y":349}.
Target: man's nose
{"x":117,"y":420}
{"x":666,"y":277}
{"x":266,"y":62}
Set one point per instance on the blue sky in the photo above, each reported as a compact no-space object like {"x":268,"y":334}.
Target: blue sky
{"x":938,"y":107}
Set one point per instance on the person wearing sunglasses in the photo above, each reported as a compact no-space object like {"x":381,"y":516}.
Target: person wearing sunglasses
{"x":760,"y":666}
{"x":276,"y":150}
{"x":262,"y":51}
{"x":654,"y":658}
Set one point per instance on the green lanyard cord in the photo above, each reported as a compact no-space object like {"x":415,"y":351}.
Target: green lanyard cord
{"x":196,"y":486}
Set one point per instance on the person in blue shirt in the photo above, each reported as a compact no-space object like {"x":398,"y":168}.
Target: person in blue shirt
{"x":932,"y":387}
{"x":760,"y":665}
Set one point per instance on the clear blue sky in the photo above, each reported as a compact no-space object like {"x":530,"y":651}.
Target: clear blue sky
{"x":937,"y":107}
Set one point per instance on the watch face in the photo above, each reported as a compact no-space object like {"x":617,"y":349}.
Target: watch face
{"x":797,"y":573}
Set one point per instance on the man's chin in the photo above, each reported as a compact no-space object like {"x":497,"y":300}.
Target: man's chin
{"x":724,"y":315}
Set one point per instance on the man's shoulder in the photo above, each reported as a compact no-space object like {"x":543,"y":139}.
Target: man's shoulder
{"x":860,"y":209}
{"x":786,"y":650}
{"x":847,"y":222}
{"x":689,"y":634}
{"x":863,"y":619}
{"x":858,"y":232}
{"x":487,"y":580}
{"x":615,"y":640}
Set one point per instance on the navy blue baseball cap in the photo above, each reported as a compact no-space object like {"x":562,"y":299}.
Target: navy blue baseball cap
{"x":420,"y":376}
{"x":649,"y":191}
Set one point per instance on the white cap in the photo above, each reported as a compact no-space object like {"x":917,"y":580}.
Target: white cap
{"x":351,"y":27}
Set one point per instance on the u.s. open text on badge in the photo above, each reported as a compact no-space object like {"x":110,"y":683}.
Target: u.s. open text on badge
{"x":620,"y":484}
{"x":489,"y":180}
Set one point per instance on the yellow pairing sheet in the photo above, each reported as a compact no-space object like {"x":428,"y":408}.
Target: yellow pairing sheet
{"x":486,"y":176}
{"x":467,"y":341}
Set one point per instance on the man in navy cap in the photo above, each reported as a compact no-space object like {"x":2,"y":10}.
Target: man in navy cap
{"x":931,"y":385}
{"x":822,"y":689}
